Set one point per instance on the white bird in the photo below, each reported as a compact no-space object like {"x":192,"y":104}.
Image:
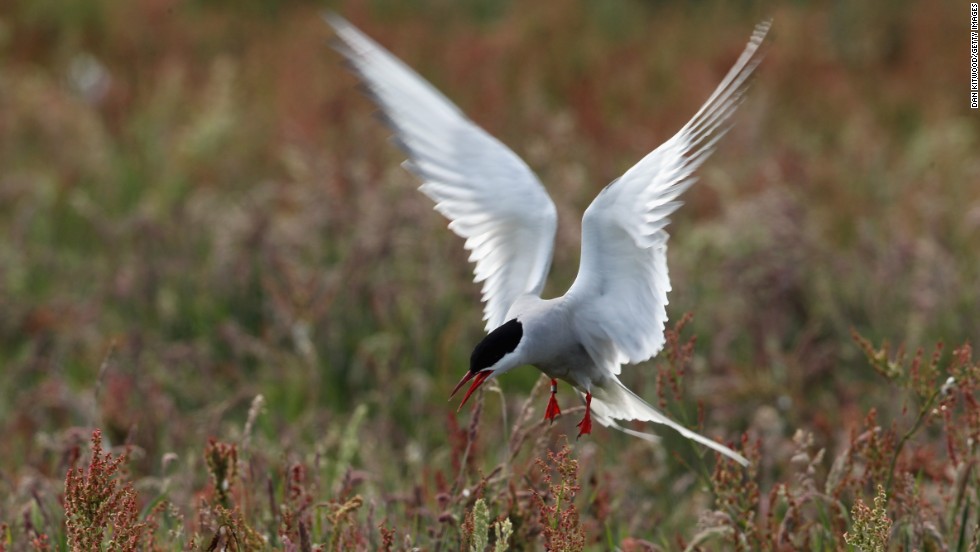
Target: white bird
{"x":614,"y":312}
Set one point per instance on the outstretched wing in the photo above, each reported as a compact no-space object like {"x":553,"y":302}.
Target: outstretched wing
{"x":620,"y":293}
{"x":488,"y":193}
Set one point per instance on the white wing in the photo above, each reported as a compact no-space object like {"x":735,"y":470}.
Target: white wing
{"x":489,"y":194}
{"x":620,"y":293}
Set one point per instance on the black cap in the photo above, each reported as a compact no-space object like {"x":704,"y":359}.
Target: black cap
{"x":495,"y":345}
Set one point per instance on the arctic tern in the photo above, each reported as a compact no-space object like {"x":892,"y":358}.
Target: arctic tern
{"x":614,"y":312}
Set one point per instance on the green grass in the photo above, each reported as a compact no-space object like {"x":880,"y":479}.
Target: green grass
{"x":198,"y":209}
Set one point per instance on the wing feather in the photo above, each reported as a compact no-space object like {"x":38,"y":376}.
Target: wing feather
{"x":491,"y":197}
{"x":620,"y":293}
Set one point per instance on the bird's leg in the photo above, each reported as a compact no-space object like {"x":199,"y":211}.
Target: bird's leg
{"x":585,"y":426}
{"x":552,"y":411}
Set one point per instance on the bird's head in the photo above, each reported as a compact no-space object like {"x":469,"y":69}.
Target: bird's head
{"x":494,"y":355}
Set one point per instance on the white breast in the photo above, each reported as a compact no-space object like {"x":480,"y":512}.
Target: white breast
{"x":551,"y":344}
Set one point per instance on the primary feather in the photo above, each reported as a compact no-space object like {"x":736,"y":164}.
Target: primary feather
{"x":491,"y":197}
{"x":620,"y":293}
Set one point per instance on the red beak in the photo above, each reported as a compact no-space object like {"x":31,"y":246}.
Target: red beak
{"x":480,"y":378}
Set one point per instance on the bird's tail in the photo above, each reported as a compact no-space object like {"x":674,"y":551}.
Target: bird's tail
{"x":613,"y":401}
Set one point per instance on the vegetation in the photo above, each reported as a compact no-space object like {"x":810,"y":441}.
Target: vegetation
{"x":229,"y":322}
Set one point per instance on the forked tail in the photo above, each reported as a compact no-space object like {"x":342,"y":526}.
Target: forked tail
{"x":614,"y":401}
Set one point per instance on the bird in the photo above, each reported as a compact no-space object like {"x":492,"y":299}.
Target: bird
{"x":614,"y":313}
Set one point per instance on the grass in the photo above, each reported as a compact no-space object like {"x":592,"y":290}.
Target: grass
{"x":224,"y":301}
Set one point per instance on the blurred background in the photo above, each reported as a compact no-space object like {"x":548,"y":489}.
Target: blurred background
{"x":197,"y":207}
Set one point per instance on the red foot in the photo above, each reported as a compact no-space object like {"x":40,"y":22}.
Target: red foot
{"x":552,"y":411}
{"x":585,"y":426}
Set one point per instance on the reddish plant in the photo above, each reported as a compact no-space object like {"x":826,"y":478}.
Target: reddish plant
{"x":222,"y":461}
{"x":562,"y":529}
{"x":101,"y":508}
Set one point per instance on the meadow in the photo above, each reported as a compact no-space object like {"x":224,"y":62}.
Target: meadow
{"x":228,"y":320}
